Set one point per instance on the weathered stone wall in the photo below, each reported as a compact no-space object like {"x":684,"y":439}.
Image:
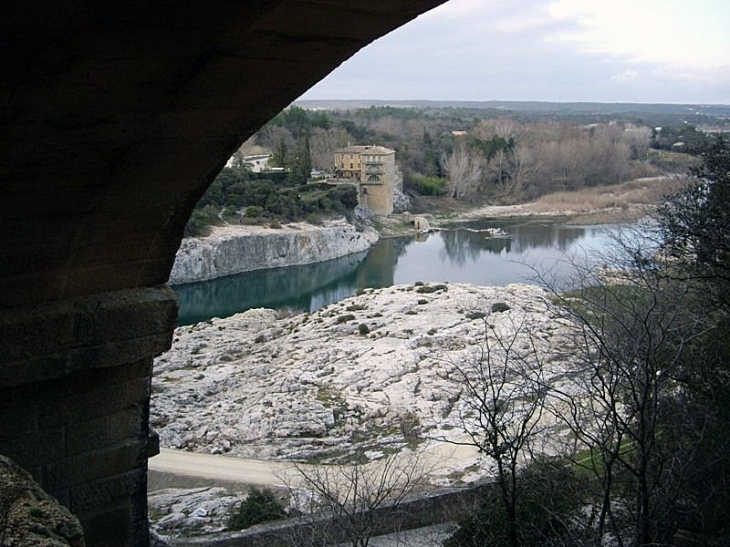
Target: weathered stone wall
{"x":234,"y":251}
{"x":74,"y":403}
{"x":445,"y":506}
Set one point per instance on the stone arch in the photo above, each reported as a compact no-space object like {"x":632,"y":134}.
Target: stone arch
{"x":114,"y":119}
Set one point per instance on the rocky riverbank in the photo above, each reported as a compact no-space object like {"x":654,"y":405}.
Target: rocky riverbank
{"x":373,"y":371}
{"x":235,"y":249}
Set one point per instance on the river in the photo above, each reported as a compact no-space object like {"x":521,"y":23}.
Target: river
{"x":462,"y":253}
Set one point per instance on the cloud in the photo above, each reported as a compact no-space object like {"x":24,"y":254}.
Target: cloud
{"x":626,"y":76}
{"x":559,"y":50}
{"x":666,"y":32}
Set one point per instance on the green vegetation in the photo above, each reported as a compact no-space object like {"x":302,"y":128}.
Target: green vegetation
{"x":428,"y":186}
{"x":344,"y":318}
{"x":551,"y":492}
{"x":259,"y":506}
{"x":427,"y":289}
{"x":239,"y":196}
{"x":363,"y":329}
{"x":511,"y":153}
{"x":471,"y":154}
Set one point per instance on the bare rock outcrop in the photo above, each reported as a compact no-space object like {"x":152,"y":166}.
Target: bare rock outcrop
{"x":31,"y":518}
{"x":235,"y":249}
{"x":367,"y":372}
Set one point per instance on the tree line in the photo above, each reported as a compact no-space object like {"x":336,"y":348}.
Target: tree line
{"x":488,"y":155}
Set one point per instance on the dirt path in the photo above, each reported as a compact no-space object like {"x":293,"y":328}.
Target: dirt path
{"x":440,"y":459}
{"x":219,"y":468}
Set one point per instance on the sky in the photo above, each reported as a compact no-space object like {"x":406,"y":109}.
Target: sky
{"x":640,"y":51}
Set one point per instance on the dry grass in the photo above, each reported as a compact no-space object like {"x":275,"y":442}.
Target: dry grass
{"x":634,"y":194}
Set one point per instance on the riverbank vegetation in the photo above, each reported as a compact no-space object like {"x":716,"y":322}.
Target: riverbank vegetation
{"x":643,"y":458}
{"x":499,"y":156}
{"x":238,"y":196}
{"x":469,"y":156}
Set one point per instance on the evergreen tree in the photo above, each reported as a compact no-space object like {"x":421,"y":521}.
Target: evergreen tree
{"x":301,"y":164}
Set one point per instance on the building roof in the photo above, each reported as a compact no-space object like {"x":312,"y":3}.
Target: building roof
{"x":368,"y":149}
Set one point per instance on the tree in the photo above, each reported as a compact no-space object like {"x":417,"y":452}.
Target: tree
{"x":634,"y":327}
{"x":551,"y":496}
{"x":301,"y":163}
{"x":353,"y":502}
{"x":280,"y":158}
{"x":464,"y":172}
{"x":640,"y":408}
{"x":502,"y":405}
{"x":696,"y":223}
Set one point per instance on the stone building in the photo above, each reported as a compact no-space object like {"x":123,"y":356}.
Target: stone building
{"x":372,"y":168}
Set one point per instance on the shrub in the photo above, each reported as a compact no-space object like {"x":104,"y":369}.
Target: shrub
{"x":363,"y":329}
{"x":548,"y":512}
{"x":428,"y":186}
{"x":499,"y":307}
{"x":344,"y":318}
{"x":259,"y":506}
{"x":425,"y":289}
{"x":253,"y":211}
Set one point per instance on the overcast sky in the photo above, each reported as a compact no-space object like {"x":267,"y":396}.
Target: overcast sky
{"x":649,"y":51}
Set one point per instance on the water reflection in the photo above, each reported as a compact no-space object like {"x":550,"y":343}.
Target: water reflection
{"x":463,"y":253}
{"x":301,"y":287}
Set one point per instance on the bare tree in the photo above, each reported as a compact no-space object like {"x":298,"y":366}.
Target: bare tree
{"x":353,"y":502}
{"x":502,"y":403}
{"x":464,"y":171}
{"x":632,"y":329}
{"x":324,"y":142}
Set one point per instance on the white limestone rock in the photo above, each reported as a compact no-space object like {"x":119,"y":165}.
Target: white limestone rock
{"x":235,"y":249}
{"x":184,"y":511}
{"x":256,"y":385}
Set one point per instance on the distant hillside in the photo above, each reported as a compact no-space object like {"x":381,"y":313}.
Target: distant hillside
{"x":529,"y":106}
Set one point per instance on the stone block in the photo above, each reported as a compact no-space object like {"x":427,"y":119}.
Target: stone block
{"x":96,"y":394}
{"x":107,"y":492}
{"x":16,"y":420}
{"x":34,"y":450}
{"x":54,"y":339}
{"x":93,"y":466}
{"x":113,"y":528}
{"x":98,"y":433}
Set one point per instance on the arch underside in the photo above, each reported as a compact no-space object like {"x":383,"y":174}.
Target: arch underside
{"x":114,"y":119}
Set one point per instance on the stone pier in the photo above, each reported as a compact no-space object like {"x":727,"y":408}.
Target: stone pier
{"x":115,"y":117}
